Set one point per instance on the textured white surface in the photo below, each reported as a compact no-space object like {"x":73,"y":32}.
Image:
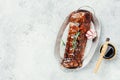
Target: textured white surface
{"x":28,"y":29}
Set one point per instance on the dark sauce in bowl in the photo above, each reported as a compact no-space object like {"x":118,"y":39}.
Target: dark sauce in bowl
{"x":110,"y":53}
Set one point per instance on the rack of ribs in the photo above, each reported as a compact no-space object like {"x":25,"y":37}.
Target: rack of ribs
{"x":79,"y":24}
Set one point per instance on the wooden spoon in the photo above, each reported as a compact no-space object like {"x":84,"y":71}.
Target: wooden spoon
{"x":105,"y":46}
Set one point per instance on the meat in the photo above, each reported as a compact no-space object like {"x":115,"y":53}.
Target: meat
{"x":79,"y":24}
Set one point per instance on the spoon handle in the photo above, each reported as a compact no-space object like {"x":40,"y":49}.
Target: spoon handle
{"x":101,"y":56}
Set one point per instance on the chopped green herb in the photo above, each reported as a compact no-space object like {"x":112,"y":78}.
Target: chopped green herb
{"x":63,"y":43}
{"x":75,"y":39}
{"x":77,"y":34}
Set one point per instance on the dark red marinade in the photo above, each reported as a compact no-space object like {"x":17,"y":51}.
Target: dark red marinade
{"x":76,"y":39}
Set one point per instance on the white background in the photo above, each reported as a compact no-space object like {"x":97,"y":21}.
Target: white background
{"x":28,"y":30}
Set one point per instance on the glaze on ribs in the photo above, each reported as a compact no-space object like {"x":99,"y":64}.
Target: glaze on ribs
{"x":80,"y":22}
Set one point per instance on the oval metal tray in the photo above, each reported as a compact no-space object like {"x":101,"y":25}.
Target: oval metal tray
{"x":90,"y":46}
